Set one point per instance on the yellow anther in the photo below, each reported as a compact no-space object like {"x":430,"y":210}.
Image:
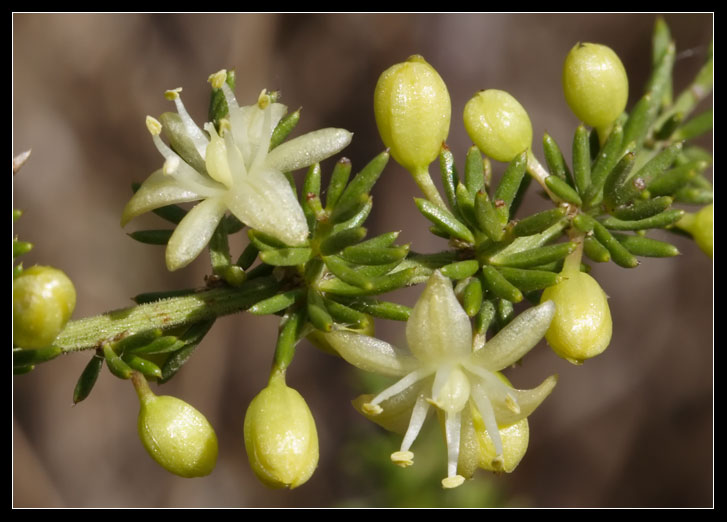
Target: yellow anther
{"x":498,"y":463}
{"x":435,"y":403}
{"x":218,"y":78}
{"x":403,"y":459}
{"x":372,"y":409}
{"x":153,"y":125}
{"x":172,"y":94}
{"x":512,"y":404}
{"x":225,"y":126}
{"x":452,"y":482}
{"x":264,"y":99}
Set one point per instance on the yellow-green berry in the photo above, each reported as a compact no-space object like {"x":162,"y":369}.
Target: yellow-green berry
{"x":701,"y":227}
{"x":498,"y":124}
{"x":413,"y":110}
{"x":280,"y":436}
{"x":175,"y":434}
{"x":704,"y":229}
{"x":43,"y":301}
{"x":595,"y":84}
{"x":582,"y":325}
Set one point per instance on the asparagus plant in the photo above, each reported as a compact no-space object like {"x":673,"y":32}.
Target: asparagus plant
{"x":309,"y":259}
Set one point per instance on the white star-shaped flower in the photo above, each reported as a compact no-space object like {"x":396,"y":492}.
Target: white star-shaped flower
{"x":441,"y":369}
{"x":236,"y":171}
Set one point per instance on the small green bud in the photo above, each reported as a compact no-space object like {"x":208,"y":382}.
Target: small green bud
{"x":175,"y":434}
{"x":43,"y":301}
{"x":701,"y":227}
{"x":280,"y":436}
{"x":595,"y":84}
{"x":413,"y":110}
{"x":498,"y":124}
{"x":582,"y":325}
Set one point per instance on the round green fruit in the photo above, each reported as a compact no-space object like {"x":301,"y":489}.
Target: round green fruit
{"x":177,"y":436}
{"x":498,"y":124}
{"x":43,"y":301}
{"x":413,"y":111}
{"x":582,"y":325}
{"x":595,"y":84}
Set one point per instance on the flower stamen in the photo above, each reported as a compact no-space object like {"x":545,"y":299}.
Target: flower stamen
{"x":198,"y":138}
{"x":403,"y":459}
{"x":418,"y":416}
{"x":373,"y":408}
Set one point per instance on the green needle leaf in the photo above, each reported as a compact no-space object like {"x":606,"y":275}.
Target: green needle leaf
{"x":534,"y":257}
{"x":450,"y":179}
{"x":474,"y":171}
{"x":152,"y":237}
{"x":581,"y":160}
{"x":647,"y":247}
{"x":339,"y":179}
{"x":461,"y":269}
{"x":500,"y":287}
{"x":444,"y":220}
{"x":375,"y":307}
{"x":88,"y":378}
{"x":279,"y":302}
{"x":358,"y":189}
{"x":554,"y":158}
{"x":509,"y":185}
{"x":317,"y":313}
{"x":529,"y":280}
{"x":564,"y":191}
{"x":192,"y":337}
{"x":661,"y":220}
{"x":286,"y":256}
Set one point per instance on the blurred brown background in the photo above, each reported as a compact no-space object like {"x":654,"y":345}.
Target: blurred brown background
{"x":633,"y":427}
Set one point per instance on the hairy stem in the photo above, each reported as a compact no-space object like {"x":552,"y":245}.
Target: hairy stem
{"x":92,"y":332}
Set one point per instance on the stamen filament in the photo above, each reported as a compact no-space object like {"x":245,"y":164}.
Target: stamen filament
{"x":418,"y":416}
{"x":399,"y":386}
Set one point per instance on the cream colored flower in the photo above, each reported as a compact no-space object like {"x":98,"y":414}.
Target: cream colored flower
{"x":442,"y":370}
{"x":234,"y":171}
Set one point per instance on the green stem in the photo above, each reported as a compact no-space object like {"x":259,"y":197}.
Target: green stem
{"x":92,"y":332}
{"x":572,"y":263}
{"x":288,"y":336}
{"x":425,"y":183}
{"x":141,"y":387}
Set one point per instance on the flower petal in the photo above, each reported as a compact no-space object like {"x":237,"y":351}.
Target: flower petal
{"x":469,"y":445}
{"x":265,"y":201}
{"x":371,"y":354}
{"x":308,"y":149}
{"x":193,"y":233}
{"x":527,"y":401}
{"x":157,"y":191}
{"x":516,"y":339}
{"x":397,"y":410}
{"x":438,"y":328}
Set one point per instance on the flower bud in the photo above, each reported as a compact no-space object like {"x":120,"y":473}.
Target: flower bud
{"x":498,"y":124}
{"x":582,"y":325}
{"x":595,"y":84}
{"x":280,"y":436}
{"x":413,"y":110}
{"x":43,"y":301}
{"x":175,"y":434}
